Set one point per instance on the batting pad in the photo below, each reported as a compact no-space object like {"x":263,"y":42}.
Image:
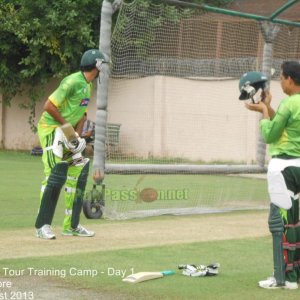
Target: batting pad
{"x":279,"y":194}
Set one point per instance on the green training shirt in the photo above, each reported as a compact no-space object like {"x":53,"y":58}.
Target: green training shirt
{"x":71,"y":99}
{"x":283,"y":131}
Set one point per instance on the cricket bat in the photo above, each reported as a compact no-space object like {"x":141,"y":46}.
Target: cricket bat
{"x":144,"y":276}
{"x":69,"y":133}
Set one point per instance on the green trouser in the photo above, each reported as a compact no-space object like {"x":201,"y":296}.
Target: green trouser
{"x":290,"y":221}
{"x":75,"y":182}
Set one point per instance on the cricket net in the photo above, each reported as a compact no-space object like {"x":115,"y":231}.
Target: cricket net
{"x":180,"y":141}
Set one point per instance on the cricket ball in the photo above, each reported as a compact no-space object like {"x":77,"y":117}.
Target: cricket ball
{"x":148,"y":195}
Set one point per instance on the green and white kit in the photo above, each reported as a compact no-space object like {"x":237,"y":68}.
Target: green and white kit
{"x":61,"y":166}
{"x":282,"y":133}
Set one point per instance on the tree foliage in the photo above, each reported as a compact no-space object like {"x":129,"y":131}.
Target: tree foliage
{"x":43,"y":39}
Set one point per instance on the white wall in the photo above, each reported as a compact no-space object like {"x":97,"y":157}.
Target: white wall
{"x":164,"y":117}
{"x":199,"y":120}
{"x":17,"y":134}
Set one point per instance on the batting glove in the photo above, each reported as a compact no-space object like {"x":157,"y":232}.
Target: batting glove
{"x":80,"y":146}
{"x":77,"y":147}
{"x":200,"y":270}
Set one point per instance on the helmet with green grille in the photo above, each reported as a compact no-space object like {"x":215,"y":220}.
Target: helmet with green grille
{"x":250,"y":83}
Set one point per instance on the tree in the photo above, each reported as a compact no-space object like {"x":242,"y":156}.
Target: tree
{"x":43,"y":39}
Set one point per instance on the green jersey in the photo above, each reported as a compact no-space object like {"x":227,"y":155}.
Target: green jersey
{"x":283,"y":131}
{"x":71,"y":99}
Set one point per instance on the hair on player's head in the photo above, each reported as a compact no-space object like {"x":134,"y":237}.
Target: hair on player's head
{"x":291,"y":69}
{"x":87,"y":68}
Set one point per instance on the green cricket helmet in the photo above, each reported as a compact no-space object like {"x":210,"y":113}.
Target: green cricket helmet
{"x":250,"y":83}
{"x":92,"y":58}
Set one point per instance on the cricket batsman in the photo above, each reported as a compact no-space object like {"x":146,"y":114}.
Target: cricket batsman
{"x":281,"y":130}
{"x":59,"y":129}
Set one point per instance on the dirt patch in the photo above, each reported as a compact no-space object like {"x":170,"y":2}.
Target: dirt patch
{"x":42,"y":288}
{"x":138,"y":233}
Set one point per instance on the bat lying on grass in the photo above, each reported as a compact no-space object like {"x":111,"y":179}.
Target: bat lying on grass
{"x":143,"y":276}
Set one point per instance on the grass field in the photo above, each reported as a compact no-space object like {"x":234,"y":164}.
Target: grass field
{"x":237,"y":280}
{"x":207,"y":192}
{"x":92,"y":268}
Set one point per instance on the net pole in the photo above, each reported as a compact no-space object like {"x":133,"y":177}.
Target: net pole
{"x":269,"y":32}
{"x":241,"y":14}
{"x":102,"y":93}
{"x":182,"y":169}
{"x":283,"y":8}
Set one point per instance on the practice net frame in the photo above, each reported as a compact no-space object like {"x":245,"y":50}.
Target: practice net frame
{"x":179,"y":141}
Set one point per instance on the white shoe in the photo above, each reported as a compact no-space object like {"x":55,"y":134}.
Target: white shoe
{"x":45,"y":232}
{"x":79,"y":231}
{"x":290,"y":285}
{"x":271,"y":283}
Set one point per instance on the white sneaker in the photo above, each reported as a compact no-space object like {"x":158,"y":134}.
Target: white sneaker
{"x":290,"y":285}
{"x":79,"y":231}
{"x":270,"y":283}
{"x":45,"y":232}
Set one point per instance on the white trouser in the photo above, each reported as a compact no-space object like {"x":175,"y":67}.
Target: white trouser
{"x":279,"y":194}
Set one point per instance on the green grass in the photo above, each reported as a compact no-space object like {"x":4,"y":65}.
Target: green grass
{"x":21,"y":176}
{"x":243,"y":263}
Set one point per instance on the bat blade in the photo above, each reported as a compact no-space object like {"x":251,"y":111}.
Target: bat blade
{"x":69,"y":133}
{"x":144,"y":276}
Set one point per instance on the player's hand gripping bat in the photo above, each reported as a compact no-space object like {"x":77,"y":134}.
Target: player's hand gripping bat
{"x":71,"y":139}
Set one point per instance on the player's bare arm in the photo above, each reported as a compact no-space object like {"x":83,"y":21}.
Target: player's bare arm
{"x":267,"y":98}
{"x":259,"y":107}
{"x":52,"y":110}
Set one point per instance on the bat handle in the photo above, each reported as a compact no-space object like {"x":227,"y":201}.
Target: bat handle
{"x":169,"y":272}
